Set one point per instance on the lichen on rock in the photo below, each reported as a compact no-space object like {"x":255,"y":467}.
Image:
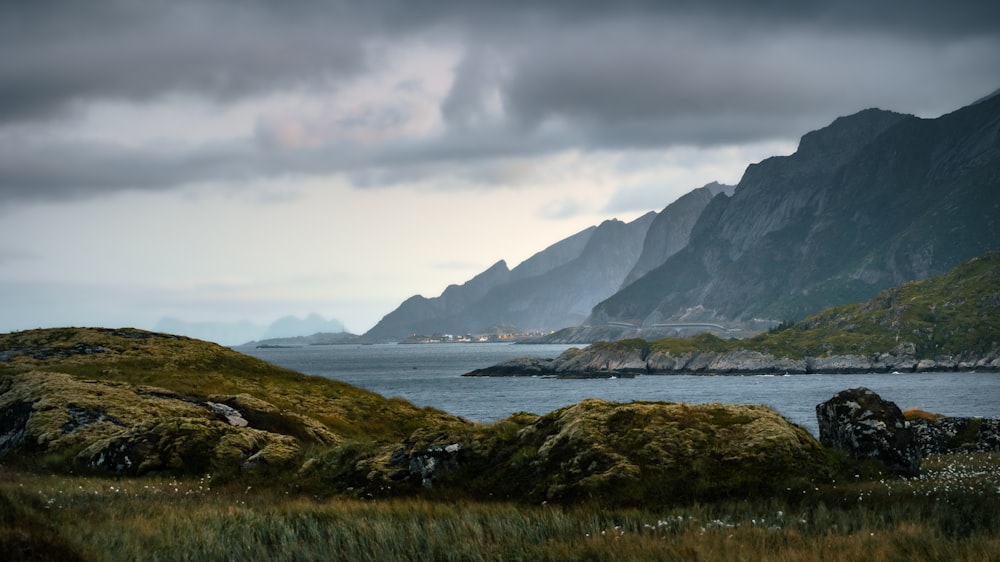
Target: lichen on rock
{"x":860,"y":422}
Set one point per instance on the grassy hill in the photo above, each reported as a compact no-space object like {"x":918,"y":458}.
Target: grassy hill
{"x":158,"y":402}
{"x":199,"y":371}
{"x":956,"y":314}
{"x":130,"y":403}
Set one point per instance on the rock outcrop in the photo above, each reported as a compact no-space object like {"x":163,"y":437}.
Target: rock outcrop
{"x":594,"y":363}
{"x":638,"y":453}
{"x":130,"y":430}
{"x":860,"y":422}
{"x":956,"y":435}
{"x":433,"y":463}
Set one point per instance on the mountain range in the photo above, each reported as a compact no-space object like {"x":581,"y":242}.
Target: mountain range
{"x":873,"y":200}
{"x":235,"y":333}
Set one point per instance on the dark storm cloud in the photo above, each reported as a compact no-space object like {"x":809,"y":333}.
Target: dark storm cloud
{"x":534,"y":77}
{"x":57,"y":54}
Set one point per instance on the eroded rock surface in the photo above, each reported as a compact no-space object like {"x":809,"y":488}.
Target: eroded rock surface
{"x":125,"y":429}
{"x":956,"y":435}
{"x":860,"y":422}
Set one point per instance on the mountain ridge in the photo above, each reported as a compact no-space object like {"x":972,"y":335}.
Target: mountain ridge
{"x":802,"y":232}
{"x":554,"y":288}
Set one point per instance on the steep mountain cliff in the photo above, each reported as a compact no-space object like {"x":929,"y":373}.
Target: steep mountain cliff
{"x":554,"y":288}
{"x":671,"y":229}
{"x":875,"y":199}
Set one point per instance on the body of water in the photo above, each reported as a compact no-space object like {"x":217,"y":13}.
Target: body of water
{"x":431,"y":375}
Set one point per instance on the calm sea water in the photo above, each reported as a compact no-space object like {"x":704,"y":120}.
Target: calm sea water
{"x":430,"y":375}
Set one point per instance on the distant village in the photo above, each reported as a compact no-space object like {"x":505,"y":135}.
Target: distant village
{"x":499,"y":337}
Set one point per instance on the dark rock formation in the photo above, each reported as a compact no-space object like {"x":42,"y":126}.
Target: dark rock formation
{"x":13,"y":424}
{"x":433,"y":462}
{"x":860,"y":422}
{"x":596,"y":363}
{"x":82,"y":417}
{"x":956,"y":435}
{"x":518,"y":367}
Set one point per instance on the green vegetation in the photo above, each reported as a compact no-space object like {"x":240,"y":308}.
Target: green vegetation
{"x":694,"y":344}
{"x":199,"y":371}
{"x":956,"y":314}
{"x":640,"y":453}
{"x":631,"y":344}
{"x":947,"y":514}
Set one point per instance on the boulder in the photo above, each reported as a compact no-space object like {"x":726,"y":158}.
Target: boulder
{"x":860,"y":422}
{"x":638,"y":453}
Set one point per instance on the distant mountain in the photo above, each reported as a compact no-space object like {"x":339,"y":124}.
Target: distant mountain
{"x":292,"y":326}
{"x":556,"y":287}
{"x":235,"y":333}
{"x":873,"y":200}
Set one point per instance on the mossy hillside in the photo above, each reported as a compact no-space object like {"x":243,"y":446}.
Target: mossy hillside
{"x":956,"y":314}
{"x":201,"y":371}
{"x":639,"y":453}
{"x":72,"y":422}
{"x":694,"y":344}
{"x":136,"y":402}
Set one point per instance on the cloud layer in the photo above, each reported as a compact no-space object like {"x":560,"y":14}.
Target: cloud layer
{"x":465,"y":93}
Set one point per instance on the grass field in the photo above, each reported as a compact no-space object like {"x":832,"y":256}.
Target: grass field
{"x":949,"y":513}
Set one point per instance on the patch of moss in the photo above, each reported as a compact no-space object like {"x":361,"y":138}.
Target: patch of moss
{"x":700,"y":342}
{"x":968,"y":435}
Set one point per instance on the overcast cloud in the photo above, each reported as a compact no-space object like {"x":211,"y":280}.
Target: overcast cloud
{"x":526,"y":78}
{"x":558,"y":113}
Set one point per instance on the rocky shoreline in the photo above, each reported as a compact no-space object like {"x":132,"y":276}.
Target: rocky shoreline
{"x":587,"y":363}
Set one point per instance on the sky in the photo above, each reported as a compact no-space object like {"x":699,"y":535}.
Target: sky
{"x":228,"y":161}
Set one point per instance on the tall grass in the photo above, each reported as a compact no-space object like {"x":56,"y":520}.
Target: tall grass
{"x":947,"y":514}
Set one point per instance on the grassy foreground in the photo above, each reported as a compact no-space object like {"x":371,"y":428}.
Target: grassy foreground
{"x":949,"y":513}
